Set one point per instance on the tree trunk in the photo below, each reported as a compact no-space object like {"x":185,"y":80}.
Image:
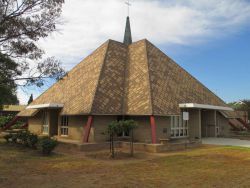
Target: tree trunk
{"x":132,"y":144}
{"x":110,"y":144}
{"x":113,"y":149}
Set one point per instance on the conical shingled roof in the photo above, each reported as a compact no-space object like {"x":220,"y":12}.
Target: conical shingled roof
{"x":120,"y":79}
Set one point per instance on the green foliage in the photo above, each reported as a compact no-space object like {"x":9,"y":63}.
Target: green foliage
{"x":24,"y":138}
{"x":32,"y":140}
{"x":117,"y":127}
{"x":128,"y":125}
{"x":114,"y":128}
{"x":9,"y":69}
{"x":24,"y":22}
{"x":27,"y":139}
{"x":244,"y":106}
{"x":14,"y":138}
{"x":47,"y":145}
{"x":17,"y":125}
{"x":4,"y":120}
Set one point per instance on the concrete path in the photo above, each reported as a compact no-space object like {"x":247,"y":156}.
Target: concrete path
{"x":226,"y":142}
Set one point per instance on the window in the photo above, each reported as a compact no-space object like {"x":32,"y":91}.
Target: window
{"x":45,"y":126}
{"x":179,"y":127}
{"x":64,"y":126}
{"x":123,"y":133}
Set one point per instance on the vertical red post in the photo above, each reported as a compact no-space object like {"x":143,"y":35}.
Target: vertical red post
{"x":246,"y":117}
{"x":87,"y":129}
{"x":153,"y":129}
{"x":11,"y":123}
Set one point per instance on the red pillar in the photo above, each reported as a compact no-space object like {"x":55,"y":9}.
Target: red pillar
{"x":153,"y":129}
{"x":87,"y":129}
{"x":11,"y":123}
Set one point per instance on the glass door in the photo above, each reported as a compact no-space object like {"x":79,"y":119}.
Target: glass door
{"x":45,"y":126}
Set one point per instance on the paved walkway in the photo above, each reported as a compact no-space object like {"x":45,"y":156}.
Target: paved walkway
{"x":226,"y":142}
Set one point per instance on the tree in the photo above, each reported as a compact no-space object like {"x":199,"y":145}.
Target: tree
{"x":117,"y":127}
{"x":129,"y":126}
{"x":9,"y":69}
{"x":30,"y":99}
{"x":243,"y":106}
{"x":112,"y":130}
{"x":22,"y":24}
{"x":11,"y":76}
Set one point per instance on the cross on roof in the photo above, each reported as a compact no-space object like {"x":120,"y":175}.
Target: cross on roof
{"x":128,"y":4}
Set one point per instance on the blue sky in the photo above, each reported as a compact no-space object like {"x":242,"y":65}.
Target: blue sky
{"x":210,"y":39}
{"x":223,"y":65}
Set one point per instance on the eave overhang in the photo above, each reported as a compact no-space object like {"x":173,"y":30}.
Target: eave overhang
{"x":48,"y":105}
{"x":205,"y":106}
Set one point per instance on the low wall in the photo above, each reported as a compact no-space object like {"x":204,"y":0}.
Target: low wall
{"x":151,"y":148}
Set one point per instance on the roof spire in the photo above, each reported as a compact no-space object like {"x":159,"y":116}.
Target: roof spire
{"x":127,"y":36}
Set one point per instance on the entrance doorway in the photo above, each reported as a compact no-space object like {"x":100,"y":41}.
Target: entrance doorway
{"x":45,"y":125}
{"x":50,"y":122}
{"x":209,"y":126}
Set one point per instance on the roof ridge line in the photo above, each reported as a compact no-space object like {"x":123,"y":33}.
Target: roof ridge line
{"x":149,"y":80}
{"x":125,"y":88}
{"x":98,"y":80}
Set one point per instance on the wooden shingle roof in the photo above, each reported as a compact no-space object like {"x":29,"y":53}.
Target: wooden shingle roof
{"x":117,"y":79}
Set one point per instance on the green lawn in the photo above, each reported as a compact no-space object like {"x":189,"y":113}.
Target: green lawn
{"x":203,"y":167}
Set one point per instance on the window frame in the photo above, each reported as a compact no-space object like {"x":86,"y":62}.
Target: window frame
{"x":179,"y":127}
{"x":64,"y":126}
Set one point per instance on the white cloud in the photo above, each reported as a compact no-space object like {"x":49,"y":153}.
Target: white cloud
{"x":89,"y":23}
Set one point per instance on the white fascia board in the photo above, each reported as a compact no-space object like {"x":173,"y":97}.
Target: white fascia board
{"x":204,"y":106}
{"x":49,"y":105}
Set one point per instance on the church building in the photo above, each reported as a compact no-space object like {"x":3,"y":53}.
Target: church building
{"x":131,"y":80}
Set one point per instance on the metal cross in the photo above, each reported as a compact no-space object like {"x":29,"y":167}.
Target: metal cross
{"x":128,"y":4}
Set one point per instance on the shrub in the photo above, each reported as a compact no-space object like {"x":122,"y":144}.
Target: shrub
{"x":4,"y":120}
{"x":8,"y":137}
{"x":17,"y":125}
{"x":14,"y":138}
{"x":47,"y":145}
{"x":22,"y":137}
{"x":32,"y":140}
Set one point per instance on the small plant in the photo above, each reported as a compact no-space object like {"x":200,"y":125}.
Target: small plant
{"x":112,"y":130}
{"x":4,"y":120}
{"x":14,"y":138}
{"x":8,"y":137}
{"x":32,"y":140}
{"x":117,"y":127}
{"x":22,"y":137}
{"x":47,"y":145}
{"x":129,"y":126}
{"x":17,"y":125}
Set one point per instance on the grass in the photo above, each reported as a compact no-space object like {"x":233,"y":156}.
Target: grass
{"x":203,"y":167}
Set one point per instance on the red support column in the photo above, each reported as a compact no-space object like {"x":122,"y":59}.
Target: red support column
{"x":153,"y":129}
{"x":87,"y":129}
{"x":25,"y":125}
{"x":11,"y":123}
